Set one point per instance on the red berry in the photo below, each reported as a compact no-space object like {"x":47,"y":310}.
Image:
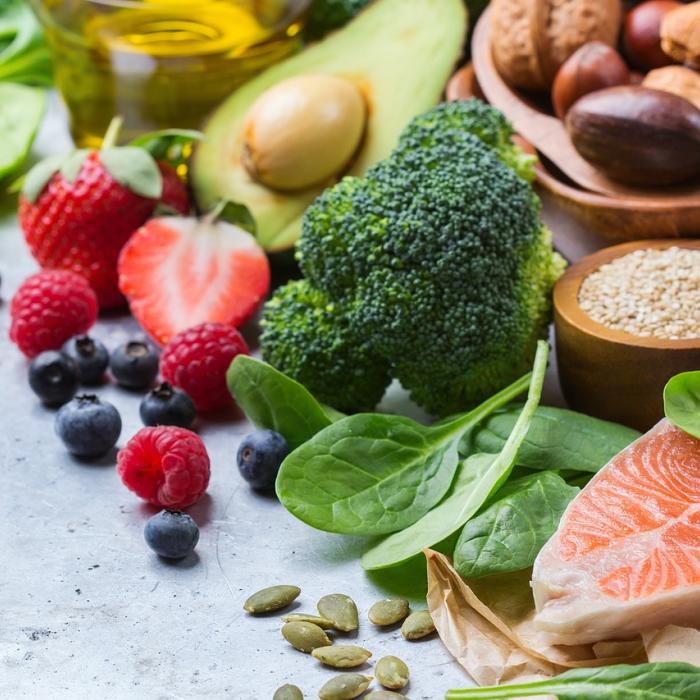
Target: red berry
{"x":82,"y":225}
{"x":166,"y":466}
{"x":178,"y":272}
{"x":175,"y":195}
{"x":49,"y":308}
{"x":197,"y":360}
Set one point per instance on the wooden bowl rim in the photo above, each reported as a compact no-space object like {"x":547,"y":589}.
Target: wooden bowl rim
{"x":559,"y":187}
{"x":662,"y":200}
{"x":567,"y":289}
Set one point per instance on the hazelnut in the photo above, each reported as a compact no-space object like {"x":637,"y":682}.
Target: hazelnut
{"x":594,"y":66}
{"x":680,"y":34}
{"x":642,"y":34}
{"x":679,"y":80}
{"x":303,"y":131}
{"x":533,"y":38}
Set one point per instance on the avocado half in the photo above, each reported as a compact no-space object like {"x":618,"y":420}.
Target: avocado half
{"x":399,"y":53}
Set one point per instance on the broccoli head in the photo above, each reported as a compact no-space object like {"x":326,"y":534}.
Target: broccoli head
{"x":308,"y":337}
{"x":437,"y":260}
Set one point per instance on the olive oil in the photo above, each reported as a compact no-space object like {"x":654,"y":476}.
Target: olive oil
{"x":160,"y":63}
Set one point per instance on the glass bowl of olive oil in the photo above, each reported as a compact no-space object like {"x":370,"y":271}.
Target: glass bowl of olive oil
{"x":160,"y":63}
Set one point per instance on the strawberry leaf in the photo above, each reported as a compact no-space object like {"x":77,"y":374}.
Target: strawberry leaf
{"x":38,"y":177}
{"x":134,"y":168}
{"x":171,"y":145}
{"x":73,"y":163}
{"x":234,"y":213}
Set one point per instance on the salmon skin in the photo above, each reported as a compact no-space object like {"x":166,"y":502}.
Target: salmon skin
{"x":626,"y":556}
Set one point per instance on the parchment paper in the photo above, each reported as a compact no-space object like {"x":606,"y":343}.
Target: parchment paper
{"x":487,"y":625}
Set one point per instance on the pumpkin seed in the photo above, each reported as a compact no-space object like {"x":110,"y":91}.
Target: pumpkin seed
{"x":341,"y":609}
{"x":305,"y":636}
{"x":288,"y":692}
{"x":384,"y":695}
{"x":391,"y":672}
{"x":346,"y":686}
{"x":341,"y":655}
{"x":418,"y":624}
{"x":389,"y":612}
{"x":269,"y":599}
{"x":323,"y":622}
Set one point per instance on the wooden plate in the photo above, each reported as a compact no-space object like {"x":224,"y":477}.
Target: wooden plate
{"x":614,"y":210}
{"x":609,"y":373}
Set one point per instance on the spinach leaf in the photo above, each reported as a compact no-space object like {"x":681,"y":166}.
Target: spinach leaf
{"x":469,"y":493}
{"x":558,"y":439}
{"x":370,"y":474}
{"x":508,"y":534}
{"x":659,"y":681}
{"x":682,"y":402}
{"x":275,"y":401}
{"x":24,"y":55}
{"x":21,"y":111}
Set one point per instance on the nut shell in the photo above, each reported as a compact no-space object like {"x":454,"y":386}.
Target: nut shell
{"x":680,"y":34}
{"x":637,"y":135}
{"x":594,"y":66}
{"x":303,"y":131}
{"x":679,"y":80}
{"x":642,"y":34}
{"x":533,"y":38}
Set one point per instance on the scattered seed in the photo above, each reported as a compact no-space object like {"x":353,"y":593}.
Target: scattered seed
{"x":418,"y":624}
{"x":273,"y":598}
{"x":341,"y":655}
{"x":391,"y":672}
{"x":305,"y":636}
{"x":323,"y":622}
{"x":389,"y":612}
{"x":341,"y":609}
{"x":346,"y":686}
{"x":384,"y":695}
{"x":288,"y":692}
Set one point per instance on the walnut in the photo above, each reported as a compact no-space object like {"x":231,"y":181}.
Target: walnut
{"x":533,"y":38}
{"x":680,"y":34}
{"x":679,"y":80}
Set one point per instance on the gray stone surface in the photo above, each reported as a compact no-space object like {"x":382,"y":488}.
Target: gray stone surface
{"x":87,"y":611}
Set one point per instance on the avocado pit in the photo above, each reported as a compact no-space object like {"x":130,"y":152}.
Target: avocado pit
{"x":303,"y":131}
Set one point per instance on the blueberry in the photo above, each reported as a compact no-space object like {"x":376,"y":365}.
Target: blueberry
{"x":171,"y":534}
{"x":53,"y":377}
{"x":134,"y":365}
{"x":88,"y":427}
{"x":91,"y":356}
{"x":166,"y":405}
{"x":260,"y":455}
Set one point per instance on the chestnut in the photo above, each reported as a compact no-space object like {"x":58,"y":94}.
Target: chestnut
{"x":594,"y":66}
{"x":642,"y":34}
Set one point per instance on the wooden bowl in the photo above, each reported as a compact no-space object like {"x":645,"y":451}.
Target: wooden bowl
{"x":616,"y":211}
{"x":609,"y":373}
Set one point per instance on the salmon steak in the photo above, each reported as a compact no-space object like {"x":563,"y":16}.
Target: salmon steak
{"x":626,"y":556}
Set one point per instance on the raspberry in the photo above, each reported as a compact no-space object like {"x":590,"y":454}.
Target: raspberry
{"x":166,"y":466}
{"x":197,"y":360}
{"x":49,"y":308}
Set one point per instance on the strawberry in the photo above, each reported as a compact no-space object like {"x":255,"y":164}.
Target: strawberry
{"x":77,"y":212}
{"x":179,"y":272}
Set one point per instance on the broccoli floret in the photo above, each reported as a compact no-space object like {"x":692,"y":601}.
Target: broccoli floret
{"x":475,"y":117}
{"x":308,"y":337}
{"x":327,"y":15}
{"x":438,"y":259}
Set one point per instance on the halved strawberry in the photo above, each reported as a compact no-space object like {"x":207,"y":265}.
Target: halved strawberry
{"x":178,"y":272}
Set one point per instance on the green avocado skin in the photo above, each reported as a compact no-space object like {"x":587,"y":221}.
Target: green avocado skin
{"x":399,"y":54}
